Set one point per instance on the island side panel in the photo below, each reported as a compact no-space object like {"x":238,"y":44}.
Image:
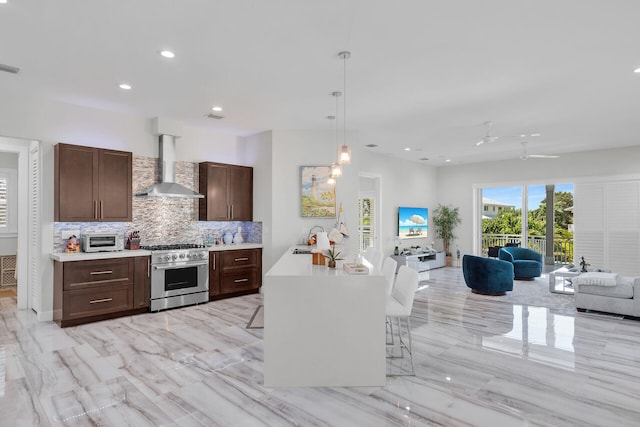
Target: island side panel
{"x":324,"y":330}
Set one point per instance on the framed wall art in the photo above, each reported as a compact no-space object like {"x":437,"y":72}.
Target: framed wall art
{"x":317,"y":196}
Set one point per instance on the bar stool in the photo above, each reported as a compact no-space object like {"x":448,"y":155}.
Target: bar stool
{"x":398,"y":308}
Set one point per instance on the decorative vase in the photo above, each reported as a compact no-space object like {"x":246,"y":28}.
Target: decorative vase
{"x":227,"y":238}
{"x":237,"y":238}
{"x":331,"y":264}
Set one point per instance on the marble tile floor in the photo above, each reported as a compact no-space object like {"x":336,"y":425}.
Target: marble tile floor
{"x":479,"y":362}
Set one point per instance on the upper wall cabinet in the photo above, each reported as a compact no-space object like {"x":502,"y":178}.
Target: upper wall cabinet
{"x":92,"y":184}
{"x":228,"y":192}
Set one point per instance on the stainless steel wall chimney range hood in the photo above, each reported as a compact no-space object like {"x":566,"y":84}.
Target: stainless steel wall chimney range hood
{"x":167,"y":187}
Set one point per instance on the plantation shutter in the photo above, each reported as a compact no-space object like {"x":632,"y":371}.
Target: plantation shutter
{"x":4,"y":206}
{"x":34,"y":249}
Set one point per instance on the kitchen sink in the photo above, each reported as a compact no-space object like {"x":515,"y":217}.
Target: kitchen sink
{"x":297,"y":251}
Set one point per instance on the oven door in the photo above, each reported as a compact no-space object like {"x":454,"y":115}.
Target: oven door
{"x":179,"y":279}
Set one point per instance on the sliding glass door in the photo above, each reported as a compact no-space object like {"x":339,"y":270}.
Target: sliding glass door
{"x":547,"y":231}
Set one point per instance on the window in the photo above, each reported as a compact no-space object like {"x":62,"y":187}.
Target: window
{"x":486,"y":208}
{"x":8,"y":201}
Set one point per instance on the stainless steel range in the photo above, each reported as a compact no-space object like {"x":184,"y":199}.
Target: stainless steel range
{"x":179,"y":275}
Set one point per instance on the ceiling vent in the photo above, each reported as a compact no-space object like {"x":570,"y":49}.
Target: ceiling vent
{"x":371,"y":145}
{"x":215,"y":116}
{"x":9,"y":69}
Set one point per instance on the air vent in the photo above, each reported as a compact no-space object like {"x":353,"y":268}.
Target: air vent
{"x":371,"y":145}
{"x":215,"y":116}
{"x":9,"y":69}
{"x":424,"y":158}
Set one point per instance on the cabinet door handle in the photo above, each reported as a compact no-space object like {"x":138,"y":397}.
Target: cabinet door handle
{"x":95,"y":209}
{"x":214,"y":262}
{"x":101,"y":211}
{"x":148,"y":267}
{"x":101,"y":272}
{"x":241,"y":259}
{"x":231,"y":211}
{"x":240,"y":280}
{"x":96,"y":301}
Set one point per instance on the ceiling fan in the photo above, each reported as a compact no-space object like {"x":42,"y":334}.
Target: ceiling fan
{"x":488,"y":138}
{"x":525,"y":154}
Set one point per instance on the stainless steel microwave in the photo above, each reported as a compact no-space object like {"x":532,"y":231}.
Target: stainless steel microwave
{"x":102,"y":242}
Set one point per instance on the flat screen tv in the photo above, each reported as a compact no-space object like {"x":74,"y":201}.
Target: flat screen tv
{"x":412,"y":222}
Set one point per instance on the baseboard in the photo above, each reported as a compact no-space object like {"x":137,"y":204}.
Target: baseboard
{"x":45,"y":316}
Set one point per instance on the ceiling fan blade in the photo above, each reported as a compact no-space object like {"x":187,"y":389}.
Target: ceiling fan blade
{"x":543,"y":156}
{"x":482,"y":141}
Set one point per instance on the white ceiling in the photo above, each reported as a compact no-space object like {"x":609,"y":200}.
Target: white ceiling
{"x":423,"y":74}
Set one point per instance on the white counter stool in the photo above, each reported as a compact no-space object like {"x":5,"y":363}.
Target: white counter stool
{"x":399,"y":306}
{"x":389,"y":267}
{"x":375,"y":257}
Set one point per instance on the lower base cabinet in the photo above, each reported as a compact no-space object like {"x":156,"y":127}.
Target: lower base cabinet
{"x":234,"y":272}
{"x":88,"y":291}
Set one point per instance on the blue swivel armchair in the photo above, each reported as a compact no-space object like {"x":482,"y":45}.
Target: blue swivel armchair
{"x":527,"y":263}
{"x":488,"y":276}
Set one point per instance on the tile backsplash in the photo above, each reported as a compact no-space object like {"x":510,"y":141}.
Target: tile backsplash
{"x":162,"y":220}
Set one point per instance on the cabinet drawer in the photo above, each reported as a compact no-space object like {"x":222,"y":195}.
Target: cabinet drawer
{"x":239,"y":258}
{"x":80,"y":274}
{"x":79,"y":303}
{"x":239,"y":281}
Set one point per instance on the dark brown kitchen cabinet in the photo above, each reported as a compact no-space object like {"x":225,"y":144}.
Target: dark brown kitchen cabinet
{"x":142,"y":283}
{"x":88,"y":291}
{"x":234,"y":272}
{"x":228,"y":192}
{"x":92,"y":184}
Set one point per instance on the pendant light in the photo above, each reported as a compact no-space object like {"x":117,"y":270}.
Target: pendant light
{"x":332,"y":177}
{"x":336,"y":168}
{"x":344,"y":151}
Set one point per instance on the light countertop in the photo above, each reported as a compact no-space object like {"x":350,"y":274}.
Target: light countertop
{"x":291,"y":264}
{"x":87,"y":256}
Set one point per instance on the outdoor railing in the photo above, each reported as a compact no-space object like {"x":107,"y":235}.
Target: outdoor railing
{"x":562,"y":248}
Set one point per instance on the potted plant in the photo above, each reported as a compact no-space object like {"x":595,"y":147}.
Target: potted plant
{"x":445,"y":219}
{"x":332,"y":256}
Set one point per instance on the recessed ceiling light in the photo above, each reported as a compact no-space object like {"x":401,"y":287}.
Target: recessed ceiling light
{"x":447,"y":160}
{"x":3,"y":1}
{"x":167,"y":54}
{"x":535,"y":134}
{"x":407,"y":149}
{"x":123,"y":85}
{"x":216,"y":108}
{"x":637,"y":70}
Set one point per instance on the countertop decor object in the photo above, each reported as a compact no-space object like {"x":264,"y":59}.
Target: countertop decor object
{"x":227,"y":238}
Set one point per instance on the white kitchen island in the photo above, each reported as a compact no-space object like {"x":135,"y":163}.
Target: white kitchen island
{"x":322,"y":327}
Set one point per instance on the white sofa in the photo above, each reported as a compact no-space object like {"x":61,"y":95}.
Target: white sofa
{"x":623,"y":298}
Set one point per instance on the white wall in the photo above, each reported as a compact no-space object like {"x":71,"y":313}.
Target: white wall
{"x":455,"y":183}
{"x":402,"y":183}
{"x":257,"y":154}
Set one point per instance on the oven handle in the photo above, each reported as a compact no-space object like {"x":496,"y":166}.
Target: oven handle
{"x":174,"y":266}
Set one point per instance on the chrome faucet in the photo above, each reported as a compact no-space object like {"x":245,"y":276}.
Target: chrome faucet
{"x":311,"y":231}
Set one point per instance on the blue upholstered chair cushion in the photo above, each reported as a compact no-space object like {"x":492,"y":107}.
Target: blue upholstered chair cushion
{"x":487,"y":275}
{"x":527,"y":263}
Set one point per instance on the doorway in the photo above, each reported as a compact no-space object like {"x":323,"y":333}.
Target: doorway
{"x":369,"y":211}
{"x":27,"y":228}
{"x":539,"y":217}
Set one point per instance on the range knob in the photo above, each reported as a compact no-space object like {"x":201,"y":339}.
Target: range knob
{"x":174,"y":257}
{"x":182,"y":256}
